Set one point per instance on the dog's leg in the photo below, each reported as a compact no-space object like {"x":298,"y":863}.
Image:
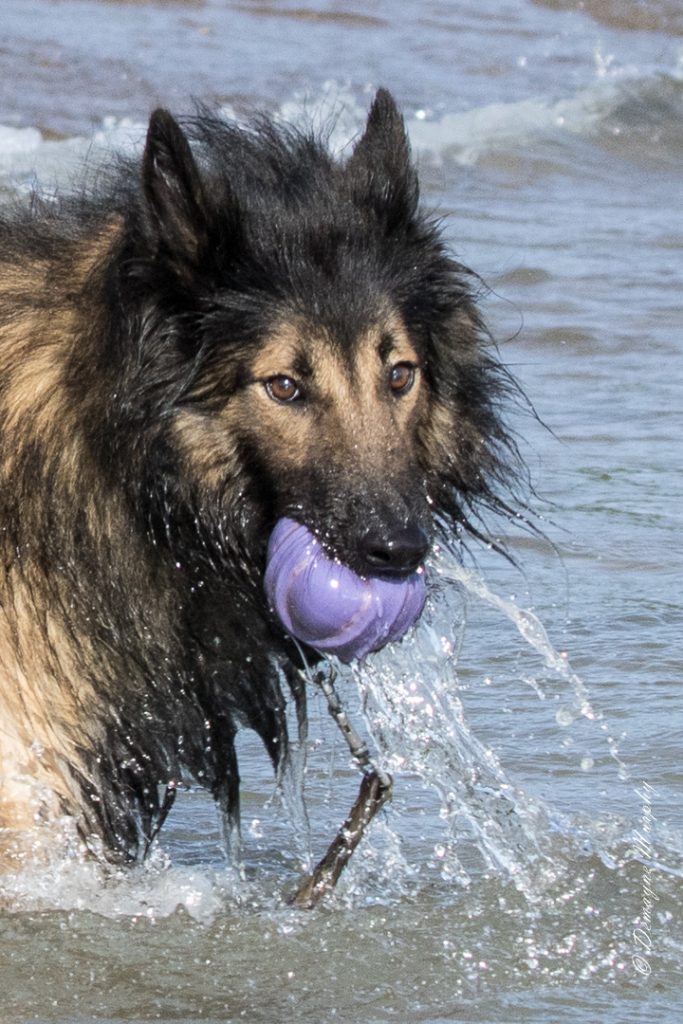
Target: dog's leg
{"x":375,"y":790}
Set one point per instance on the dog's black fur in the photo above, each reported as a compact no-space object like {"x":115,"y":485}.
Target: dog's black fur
{"x":142,"y":470}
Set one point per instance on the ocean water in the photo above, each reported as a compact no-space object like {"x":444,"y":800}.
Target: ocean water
{"x":530,"y":866}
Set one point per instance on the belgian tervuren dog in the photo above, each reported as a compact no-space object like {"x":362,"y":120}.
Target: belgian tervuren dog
{"x":238,"y":327}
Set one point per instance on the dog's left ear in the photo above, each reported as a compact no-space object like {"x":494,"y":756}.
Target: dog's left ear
{"x":174,"y":194}
{"x":380,"y":167}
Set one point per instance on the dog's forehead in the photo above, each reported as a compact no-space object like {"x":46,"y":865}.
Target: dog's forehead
{"x":307,"y":349}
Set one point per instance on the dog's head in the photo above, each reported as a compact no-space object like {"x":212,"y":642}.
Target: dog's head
{"x":327,"y":362}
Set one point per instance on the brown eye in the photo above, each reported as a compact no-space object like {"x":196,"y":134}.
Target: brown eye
{"x":401,"y":378}
{"x":283,"y":389}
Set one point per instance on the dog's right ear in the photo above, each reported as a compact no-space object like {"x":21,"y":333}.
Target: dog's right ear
{"x":178,"y":216}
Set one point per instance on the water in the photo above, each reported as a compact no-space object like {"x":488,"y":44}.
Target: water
{"x":534,"y":849}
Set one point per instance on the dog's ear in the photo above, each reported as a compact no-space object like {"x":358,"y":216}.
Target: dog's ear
{"x":176,"y":202}
{"x":380,"y":168}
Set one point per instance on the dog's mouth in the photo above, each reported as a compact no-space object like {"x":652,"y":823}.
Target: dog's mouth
{"x":329,"y":606}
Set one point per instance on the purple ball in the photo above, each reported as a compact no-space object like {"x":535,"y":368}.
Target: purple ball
{"x":329,"y":607}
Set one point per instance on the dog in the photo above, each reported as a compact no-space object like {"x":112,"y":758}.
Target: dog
{"x":233,"y":328}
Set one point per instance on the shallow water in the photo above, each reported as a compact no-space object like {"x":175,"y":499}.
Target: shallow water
{"x":534,"y":844}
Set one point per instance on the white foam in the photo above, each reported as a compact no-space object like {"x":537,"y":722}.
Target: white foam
{"x":153,"y":890}
{"x":617,"y":102}
{"x":26,"y":156}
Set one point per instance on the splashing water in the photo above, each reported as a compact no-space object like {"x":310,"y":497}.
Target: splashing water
{"x":533,"y":631}
{"x":409,"y":695}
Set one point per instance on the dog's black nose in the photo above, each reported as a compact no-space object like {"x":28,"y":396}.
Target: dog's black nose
{"x":394,"y":554}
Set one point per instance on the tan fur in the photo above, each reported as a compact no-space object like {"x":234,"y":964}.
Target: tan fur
{"x":349,"y":414}
{"x":37,"y":334}
{"x":42,"y":701}
{"x":43,"y":691}
{"x":350,"y":417}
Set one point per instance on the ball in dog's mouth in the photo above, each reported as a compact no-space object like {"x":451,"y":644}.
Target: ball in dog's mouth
{"x":328,"y":606}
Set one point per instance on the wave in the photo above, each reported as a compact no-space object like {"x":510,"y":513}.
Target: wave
{"x":635,"y":113}
{"x":640,"y":115}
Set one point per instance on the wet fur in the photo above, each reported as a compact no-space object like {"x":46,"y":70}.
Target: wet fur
{"x":143,"y":463}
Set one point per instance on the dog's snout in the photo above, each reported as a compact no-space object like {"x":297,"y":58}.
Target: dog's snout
{"x":394,"y":554}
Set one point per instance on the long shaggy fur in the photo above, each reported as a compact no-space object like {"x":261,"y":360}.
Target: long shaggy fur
{"x":140,"y":477}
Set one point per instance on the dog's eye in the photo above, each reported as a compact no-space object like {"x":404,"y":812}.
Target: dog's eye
{"x":401,"y":378}
{"x":283,"y":389}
